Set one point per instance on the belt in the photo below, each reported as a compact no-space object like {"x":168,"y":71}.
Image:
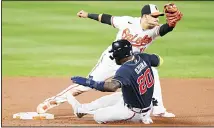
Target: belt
{"x":138,"y":110}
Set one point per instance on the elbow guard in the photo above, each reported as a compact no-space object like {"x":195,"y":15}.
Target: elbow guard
{"x":106,"y":19}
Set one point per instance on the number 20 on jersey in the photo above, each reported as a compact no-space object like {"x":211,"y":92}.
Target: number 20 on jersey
{"x":145,"y":81}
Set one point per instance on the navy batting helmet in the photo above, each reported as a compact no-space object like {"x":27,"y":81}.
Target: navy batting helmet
{"x":121,"y":49}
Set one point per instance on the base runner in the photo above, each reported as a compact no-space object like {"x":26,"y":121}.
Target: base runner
{"x":136,"y":80}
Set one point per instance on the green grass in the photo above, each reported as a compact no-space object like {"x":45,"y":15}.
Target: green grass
{"x":48,"y":39}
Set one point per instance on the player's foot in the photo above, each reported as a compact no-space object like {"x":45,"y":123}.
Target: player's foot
{"x":165,"y":114}
{"x":75,"y":105}
{"x":46,"y":105}
{"x":60,"y":98}
{"x":161,"y":112}
{"x":147,"y":120}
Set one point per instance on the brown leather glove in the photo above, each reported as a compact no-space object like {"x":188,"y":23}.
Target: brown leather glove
{"x":173,"y":15}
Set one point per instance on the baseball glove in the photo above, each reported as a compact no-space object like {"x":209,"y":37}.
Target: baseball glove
{"x":173,"y":15}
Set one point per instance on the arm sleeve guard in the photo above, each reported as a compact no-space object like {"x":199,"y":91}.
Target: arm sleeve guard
{"x":164,"y":29}
{"x":106,"y":19}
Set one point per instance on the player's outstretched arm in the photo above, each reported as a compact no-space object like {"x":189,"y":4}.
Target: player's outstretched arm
{"x":103,"y":18}
{"x":98,"y":85}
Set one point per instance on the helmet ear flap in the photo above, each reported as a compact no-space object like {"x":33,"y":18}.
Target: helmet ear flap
{"x":121,"y":49}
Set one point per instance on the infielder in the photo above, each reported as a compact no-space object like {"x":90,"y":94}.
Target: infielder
{"x":140,"y":31}
{"x":136,"y":80}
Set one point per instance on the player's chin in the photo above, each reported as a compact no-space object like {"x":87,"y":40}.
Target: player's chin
{"x":152,"y":25}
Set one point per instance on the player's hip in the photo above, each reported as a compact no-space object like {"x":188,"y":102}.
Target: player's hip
{"x":138,"y":110}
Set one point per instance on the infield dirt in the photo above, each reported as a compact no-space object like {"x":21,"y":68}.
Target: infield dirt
{"x":190,"y":99}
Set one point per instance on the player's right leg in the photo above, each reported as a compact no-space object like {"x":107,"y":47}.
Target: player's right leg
{"x":120,"y":112}
{"x":109,"y":113}
{"x":158,"y":107}
{"x":90,"y":108}
{"x":104,"y":69}
{"x":116,"y":112}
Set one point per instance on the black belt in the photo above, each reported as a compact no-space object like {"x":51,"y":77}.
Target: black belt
{"x":138,"y":110}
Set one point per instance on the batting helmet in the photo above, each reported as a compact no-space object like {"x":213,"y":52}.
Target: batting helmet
{"x":121,"y":49}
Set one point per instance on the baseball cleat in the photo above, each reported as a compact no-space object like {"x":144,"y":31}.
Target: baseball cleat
{"x":161,"y":112}
{"x":59,"y":99}
{"x":46,"y":105}
{"x":165,"y":114}
{"x":75,"y":105}
{"x":80,"y":115}
{"x":147,"y":120}
{"x":77,"y":92}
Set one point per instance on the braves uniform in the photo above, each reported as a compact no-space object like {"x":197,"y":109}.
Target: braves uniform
{"x":137,"y":80}
{"x":137,"y":83}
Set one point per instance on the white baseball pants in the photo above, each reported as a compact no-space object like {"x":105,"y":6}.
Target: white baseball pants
{"x":116,"y":112}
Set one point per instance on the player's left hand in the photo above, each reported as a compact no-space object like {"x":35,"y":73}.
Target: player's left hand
{"x":173,"y":15}
{"x":84,"y":81}
{"x":80,"y":80}
{"x":87,"y":82}
{"x":82,"y":14}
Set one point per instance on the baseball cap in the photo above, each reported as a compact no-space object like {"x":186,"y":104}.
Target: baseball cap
{"x":151,"y":9}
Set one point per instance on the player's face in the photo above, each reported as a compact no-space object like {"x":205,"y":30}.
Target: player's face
{"x":152,"y":21}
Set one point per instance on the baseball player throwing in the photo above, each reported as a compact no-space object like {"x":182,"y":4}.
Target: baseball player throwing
{"x":136,"y":80}
{"x":140,"y":32}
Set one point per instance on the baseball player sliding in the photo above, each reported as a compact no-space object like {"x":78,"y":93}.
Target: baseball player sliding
{"x":140,"y":32}
{"x":136,"y":80}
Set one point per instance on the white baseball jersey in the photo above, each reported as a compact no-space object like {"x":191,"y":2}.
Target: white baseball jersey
{"x":131,"y":30}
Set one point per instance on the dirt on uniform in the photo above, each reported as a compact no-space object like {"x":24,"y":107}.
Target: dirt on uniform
{"x":191,"y":100}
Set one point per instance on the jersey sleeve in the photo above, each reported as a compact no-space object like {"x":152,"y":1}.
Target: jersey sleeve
{"x":155,"y":60}
{"x":123,"y":77}
{"x":156,"y":31}
{"x":119,"y":21}
{"x":152,"y":59}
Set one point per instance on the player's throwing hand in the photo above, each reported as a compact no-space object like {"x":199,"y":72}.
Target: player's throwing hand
{"x":82,"y":14}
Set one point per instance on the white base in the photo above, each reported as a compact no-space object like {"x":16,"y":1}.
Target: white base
{"x":32,"y":116}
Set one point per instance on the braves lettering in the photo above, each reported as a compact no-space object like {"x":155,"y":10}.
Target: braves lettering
{"x":140,"y":67}
{"x":133,"y":38}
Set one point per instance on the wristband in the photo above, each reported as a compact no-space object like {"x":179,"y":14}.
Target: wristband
{"x":93,"y":16}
